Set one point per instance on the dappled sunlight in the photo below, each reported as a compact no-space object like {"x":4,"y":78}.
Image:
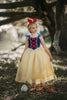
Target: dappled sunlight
{"x":51,"y":18}
{"x":9,"y":63}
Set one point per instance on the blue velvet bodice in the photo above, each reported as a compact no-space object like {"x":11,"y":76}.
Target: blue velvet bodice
{"x":34,"y":42}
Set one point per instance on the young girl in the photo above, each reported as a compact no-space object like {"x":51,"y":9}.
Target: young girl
{"x":36,"y":61}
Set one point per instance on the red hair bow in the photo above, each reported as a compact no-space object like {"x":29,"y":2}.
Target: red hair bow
{"x":32,"y":21}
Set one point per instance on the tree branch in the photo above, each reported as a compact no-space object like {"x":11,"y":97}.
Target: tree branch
{"x":16,"y":4}
{"x":52,"y":4}
{"x":43,"y":6}
{"x":14,"y":16}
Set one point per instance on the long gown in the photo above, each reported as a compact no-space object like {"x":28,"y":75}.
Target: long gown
{"x":35,"y":65}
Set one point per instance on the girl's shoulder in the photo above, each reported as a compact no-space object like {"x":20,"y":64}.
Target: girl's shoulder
{"x":27,"y":35}
{"x":40,"y":35}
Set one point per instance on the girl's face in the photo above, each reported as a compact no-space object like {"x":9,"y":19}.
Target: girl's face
{"x":33,"y":28}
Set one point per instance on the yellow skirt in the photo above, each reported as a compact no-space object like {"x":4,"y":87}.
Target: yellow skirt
{"x":35,"y":66}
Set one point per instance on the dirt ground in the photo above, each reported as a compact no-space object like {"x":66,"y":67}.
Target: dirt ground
{"x":10,"y":90}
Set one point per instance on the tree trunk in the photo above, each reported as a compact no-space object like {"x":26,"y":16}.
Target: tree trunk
{"x":59,"y":37}
{"x":63,"y":37}
{"x":57,"y":26}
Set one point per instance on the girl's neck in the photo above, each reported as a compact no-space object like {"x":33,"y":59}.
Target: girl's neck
{"x":33,"y":34}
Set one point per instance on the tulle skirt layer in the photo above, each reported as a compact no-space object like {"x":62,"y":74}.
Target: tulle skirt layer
{"x":35,"y":66}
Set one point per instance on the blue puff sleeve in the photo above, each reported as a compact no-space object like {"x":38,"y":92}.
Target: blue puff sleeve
{"x":40,"y":35}
{"x":27,"y":35}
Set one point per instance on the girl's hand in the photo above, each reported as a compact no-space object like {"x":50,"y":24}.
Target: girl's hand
{"x":21,"y":58}
{"x":51,"y":58}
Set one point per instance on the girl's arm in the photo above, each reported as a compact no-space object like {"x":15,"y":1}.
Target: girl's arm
{"x":26,"y":46}
{"x":45,"y":48}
